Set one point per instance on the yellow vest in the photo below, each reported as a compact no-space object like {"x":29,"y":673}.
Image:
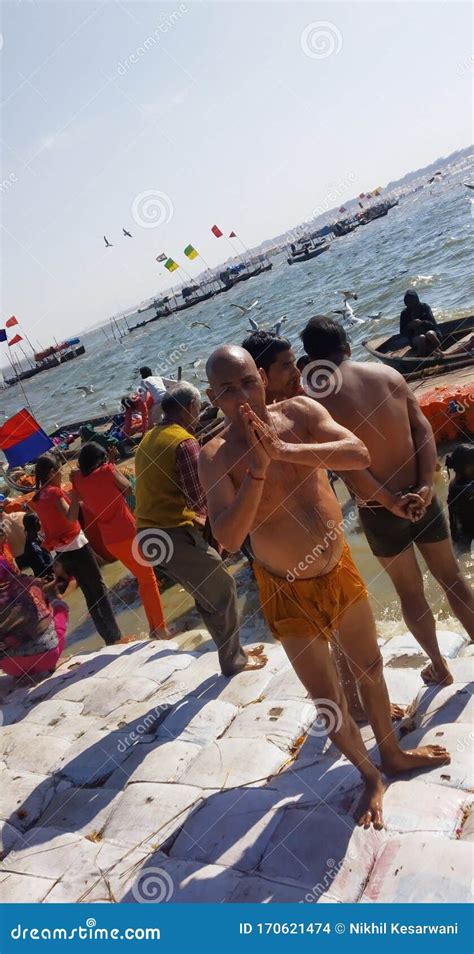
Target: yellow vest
{"x":159,"y":499}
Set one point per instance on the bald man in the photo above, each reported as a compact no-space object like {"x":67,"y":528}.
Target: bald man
{"x":265,"y":474}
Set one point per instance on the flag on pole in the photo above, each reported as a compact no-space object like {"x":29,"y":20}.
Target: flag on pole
{"x":15,"y":340}
{"x":191,"y":252}
{"x":342,"y":209}
{"x":171,"y":265}
{"x":22,"y":439}
{"x":3,"y":334}
{"x":161,"y":258}
{"x":362,"y":195}
{"x":11,"y":321}
{"x":233,"y":235}
{"x":216,"y":231}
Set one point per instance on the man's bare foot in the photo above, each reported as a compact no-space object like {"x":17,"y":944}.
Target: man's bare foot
{"x":396,"y":712}
{"x":369,"y":809}
{"x":426,"y":756}
{"x":255,"y":658}
{"x":127,"y":639}
{"x":437,"y":675}
{"x":160,"y":634}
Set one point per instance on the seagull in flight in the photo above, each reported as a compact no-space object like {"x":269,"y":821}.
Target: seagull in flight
{"x":347,"y":313}
{"x":107,"y":243}
{"x":85,"y":388}
{"x":245,"y":308}
{"x":128,"y":234}
{"x":194,"y":324}
{"x":277,"y":326}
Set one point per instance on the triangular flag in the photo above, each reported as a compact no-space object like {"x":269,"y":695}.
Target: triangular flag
{"x":11,"y":321}
{"x":216,"y":231}
{"x":232,"y":235}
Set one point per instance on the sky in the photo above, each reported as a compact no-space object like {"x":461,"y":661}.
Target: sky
{"x":169,"y":118}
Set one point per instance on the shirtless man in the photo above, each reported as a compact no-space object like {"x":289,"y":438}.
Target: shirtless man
{"x":266,"y":475}
{"x":377,"y":405}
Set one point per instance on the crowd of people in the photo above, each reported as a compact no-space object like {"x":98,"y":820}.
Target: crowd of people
{"x":259,"y":483}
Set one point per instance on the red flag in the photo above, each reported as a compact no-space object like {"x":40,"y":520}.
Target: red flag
{"x":342,"y":209}
{"x":15,"y":340}
{"x":232,"y":235}
{"x":216,"y":231}
{"x":11,"y":321}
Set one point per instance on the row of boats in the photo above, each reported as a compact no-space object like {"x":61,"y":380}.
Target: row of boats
{"x":49,"y":358}
{"x":318,"y":242}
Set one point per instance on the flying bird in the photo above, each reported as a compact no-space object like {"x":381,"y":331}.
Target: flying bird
{"x":245,"y":308}
{"x":194,"y":324}
{"x":375,"y":317}
{"x":275,"y":330}
{"x":107,"y":243}
{"x":347,"y":313}
{"x":128,"y":234}
{"x":85,"y":388}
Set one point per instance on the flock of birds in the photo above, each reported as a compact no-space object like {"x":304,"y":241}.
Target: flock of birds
{"x":110,"y":244}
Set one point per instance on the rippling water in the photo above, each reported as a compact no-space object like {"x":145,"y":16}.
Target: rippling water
{"x":423,"y":242}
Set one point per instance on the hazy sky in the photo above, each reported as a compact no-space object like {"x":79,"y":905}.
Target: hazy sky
{"x":242,"y":114}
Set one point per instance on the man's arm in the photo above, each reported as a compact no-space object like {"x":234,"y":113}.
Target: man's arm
{"x":187,"y":458}
{"x":329,"y":444}
{"x":425,"y":447}
{"x":232,"y":513}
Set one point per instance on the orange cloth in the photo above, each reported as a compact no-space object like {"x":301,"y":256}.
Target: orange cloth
{"x":147,"y":582}
{"x":309,"y":607}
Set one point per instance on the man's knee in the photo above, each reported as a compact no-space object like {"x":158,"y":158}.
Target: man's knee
{"x":370,"y":673}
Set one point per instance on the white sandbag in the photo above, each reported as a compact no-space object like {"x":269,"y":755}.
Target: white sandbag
{"x":418,"y":869}
{"x":450,"y":644}
{"x":458,"y":740}
{"x":435,"y":706}
{"x":416,"y":807}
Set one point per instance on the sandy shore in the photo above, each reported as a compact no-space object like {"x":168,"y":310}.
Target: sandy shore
{"x":138,"y":773}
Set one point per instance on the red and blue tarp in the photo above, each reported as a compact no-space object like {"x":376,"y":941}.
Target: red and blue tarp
{"x":22,"y":439}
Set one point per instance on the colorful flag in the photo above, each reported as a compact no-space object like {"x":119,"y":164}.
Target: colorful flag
{"x":232,"y":235}
{"x":362,"y":195}
{"x":161,"y":258}
{"x":342,"y":209}
{"x":15,"y":340}
{"x":11,"y":321}
{"x":216,"y":231}
{"x":190,"y":252}
{"x":23,"y":439}
{"x":3,"y":334}
{"x":171,"y":265}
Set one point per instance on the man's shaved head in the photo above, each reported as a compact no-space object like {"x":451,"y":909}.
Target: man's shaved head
{"x":227,"y":357}
{"x":234,"y":379}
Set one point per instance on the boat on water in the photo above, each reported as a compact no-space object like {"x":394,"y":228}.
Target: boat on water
{"x":372,"y":212}
{"x":397,"y":352}
{"x":49,"y":358}
{"x":306,"y":250}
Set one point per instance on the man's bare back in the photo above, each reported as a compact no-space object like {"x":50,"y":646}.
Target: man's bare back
{"x":375,"y":403}
{"x":297,"y":506}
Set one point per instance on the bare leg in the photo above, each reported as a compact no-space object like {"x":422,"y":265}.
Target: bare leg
{"x":406,"y":577}
{"x":358,"y":638}
{"x":349,"y":684}
{"x":445,"y":568}
{"x":311,"y":660}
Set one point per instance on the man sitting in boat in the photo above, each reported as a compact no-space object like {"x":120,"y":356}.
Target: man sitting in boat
{"x":417,"y":323}
{"x":375,"y":403}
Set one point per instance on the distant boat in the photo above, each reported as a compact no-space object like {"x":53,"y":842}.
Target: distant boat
{"x":307,"y":251}
{"x":397,"y":352}
{"x":50,"y":358}
{"x":469,"y":185}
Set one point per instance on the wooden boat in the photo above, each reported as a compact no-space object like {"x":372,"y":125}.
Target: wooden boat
{"x":397,"y":352}
{"x":312,"y":252}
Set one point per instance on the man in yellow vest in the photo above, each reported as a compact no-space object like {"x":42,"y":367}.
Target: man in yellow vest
{"x":171,"y":511}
